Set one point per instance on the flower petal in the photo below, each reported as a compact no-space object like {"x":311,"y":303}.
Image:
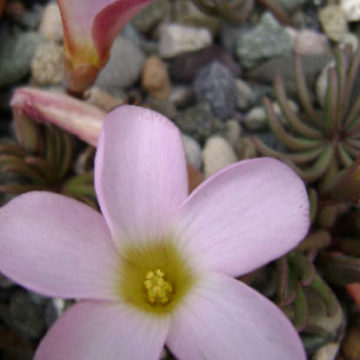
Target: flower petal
{"x":57,"y":246}
{"x":140,"y":172}
{"x":226,"y":319}
{"x":245,"y":216}
{"x":93,"y":330}
{"x":90,"y":26}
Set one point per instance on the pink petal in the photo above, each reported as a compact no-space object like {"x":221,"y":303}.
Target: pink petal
{"x":90,"y":26}
{"x":57,"y":246}
{"x":226,"y":319}
{"x":140,"y":172}
{"x":95,"y":330}
{"x":245,"y":216}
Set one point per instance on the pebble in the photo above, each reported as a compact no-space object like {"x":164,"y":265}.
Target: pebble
{"x":155,"y":78}
{"x":245,"y":95}
{"x":217,"y":154}
{"x":232,"y":131}
{"x":291,"y":5}
{"x":187,"y":13}
{"x":151,"y":15}
{"x":309,"y":42}
{"x":351,"y":343}
{"x":185,"y":67}
{"x":16,"y":53}
{"x":333,"y":21}
{"x":176,"y":39}
{"x":103,"y":100}
{"x":199,"y":122}
{"x":47,"y":66}
{"x":192,"y":151}
{"x":181,"y":95}
{"x":327,"y":352}
{"x":245,"y":148}
{"x":163,"y":106}
{"x":50,"y":24}
{"x":124,"y":66}
{"x":322,"y":83}
{"x":351,"y":9}
{"x":256,"y":119}
{"x":216,"y":85}
{"x":266,"y":40}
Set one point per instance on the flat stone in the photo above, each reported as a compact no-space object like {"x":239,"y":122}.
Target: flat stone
{"x":265,"y":41}
{"x":124,"y":66}
{"x":176,"y":39}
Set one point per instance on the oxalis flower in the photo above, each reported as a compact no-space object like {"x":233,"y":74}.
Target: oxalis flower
{"x":90,"y":27}
{"x":157,"y":267}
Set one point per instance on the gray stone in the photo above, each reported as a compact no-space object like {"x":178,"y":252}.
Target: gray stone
{"x":216,"y":85}
{"x":149,"y":17}
{"x":284,"y":66}
{"x":124,"y":66}
{"x":16,"y":53}
{"x":176,"y":39}
{"x":199,"y":122}
{"x":267,"y":40}
{"x":192,"y":151}
{"x":163,"y":106}
{"x":255,"y":119}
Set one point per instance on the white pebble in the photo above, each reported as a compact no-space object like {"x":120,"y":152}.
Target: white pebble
{"x":51,"y":24}
{"x":217,"y":154}
{"x":192,"y":151}
{"x":178,"y":39}
{"x":351,"y":9}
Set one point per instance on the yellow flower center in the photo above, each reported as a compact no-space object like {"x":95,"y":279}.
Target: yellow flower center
{"x":155,"y":276}
{"x":158,"y":289}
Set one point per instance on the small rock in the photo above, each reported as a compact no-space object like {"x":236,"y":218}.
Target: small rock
{"x":349,"y":39}
{"x":185,"y":67}
{"x":162,"y":106}
{"x":53,"y":310}
{"x":192,"y":151}
{"x":124,"y":66}
{"x":267,"y":40}
{"x":322,"y":83}
{"x":245,"y":95}
{"x":16,"y":54}
{"x":351,"y":9}
{"x":181,"y":95}
{"x":51,"y":25}
{"x":187,"y":13}
{"x":103,"y":100}
{"x":216,"y":85}
{"x":199,"y":122}
{"x":151,"y":15}
{"x":256,"y":119}
{"x":327,"y":352}
{"x":47,"y":66}
{"x":245,"y":148}
{"x":310,"y":42}
{"x":217,"y":154}
{"x":155,"y":78}
{"x":232,"y":131}
{"x":333,"y":21}
{"x":176,"y":39}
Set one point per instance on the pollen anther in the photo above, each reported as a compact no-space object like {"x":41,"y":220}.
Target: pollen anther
{"x":158,"y":289}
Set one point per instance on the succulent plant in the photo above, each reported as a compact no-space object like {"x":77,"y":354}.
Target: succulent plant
{"x":43,"y":160}
{"x":239,"y":10}
{"x":322,"y":140}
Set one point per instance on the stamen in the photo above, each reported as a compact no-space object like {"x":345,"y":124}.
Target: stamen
{"x":157,"y":288}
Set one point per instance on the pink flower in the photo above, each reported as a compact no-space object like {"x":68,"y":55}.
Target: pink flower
{"x":90,"y":27}
{"x":157,"y":267}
